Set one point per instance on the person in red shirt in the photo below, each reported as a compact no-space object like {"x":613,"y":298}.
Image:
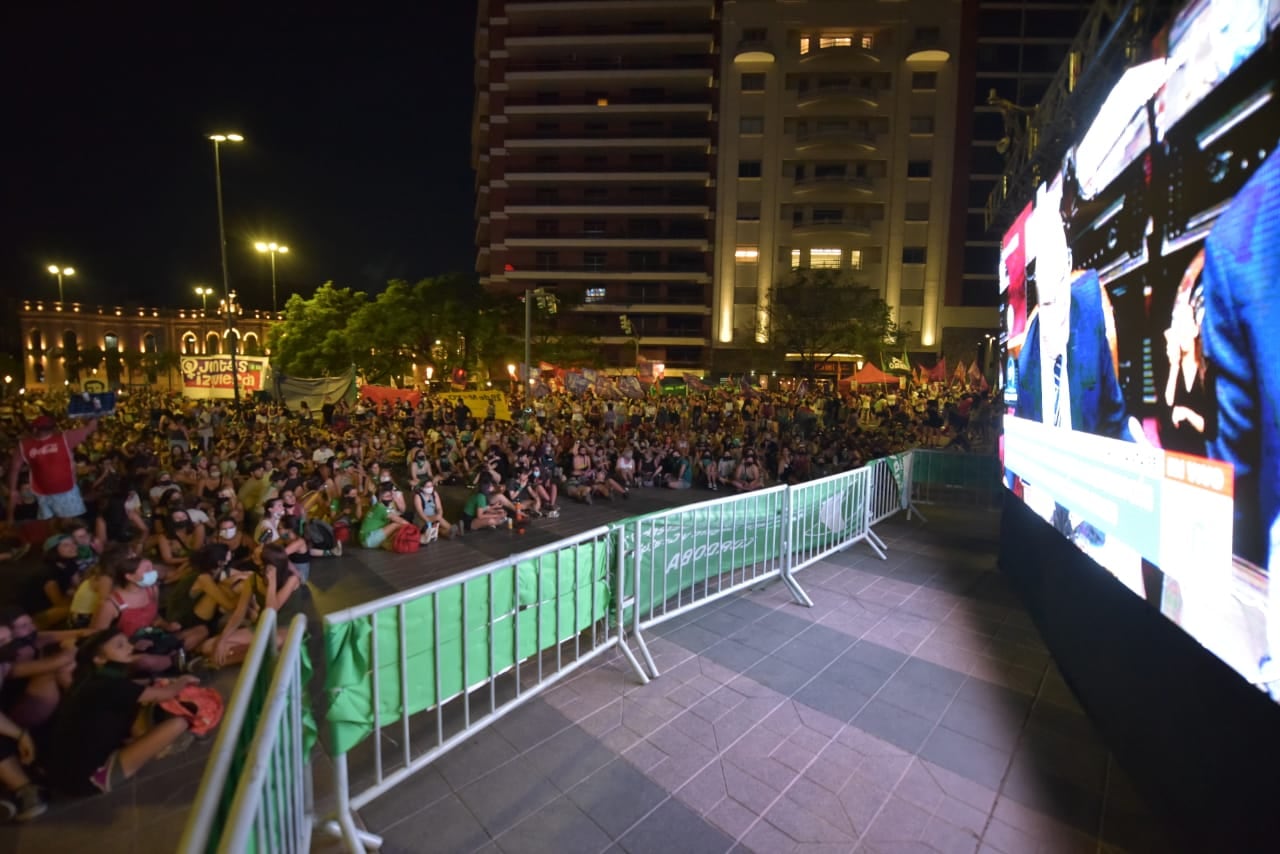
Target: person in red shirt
{"x":47,"y":453}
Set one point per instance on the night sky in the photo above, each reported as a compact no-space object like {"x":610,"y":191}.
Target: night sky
{"x":357,"y":127}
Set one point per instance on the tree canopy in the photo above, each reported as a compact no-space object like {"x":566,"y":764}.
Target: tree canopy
{"x":447,"y":321}
{"x":818,"y":313}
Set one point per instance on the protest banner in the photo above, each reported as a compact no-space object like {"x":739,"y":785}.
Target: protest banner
{"x":205,"y":377}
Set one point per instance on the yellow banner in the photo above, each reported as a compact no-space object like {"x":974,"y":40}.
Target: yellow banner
{"x":478,"y":403}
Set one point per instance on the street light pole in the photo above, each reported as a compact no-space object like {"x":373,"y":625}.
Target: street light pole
{"x":60,"y":271}
{"x":228,"y":296}
{"x":528,"y":330}
{"x":230,"y":311}
{"x":273,"y":248}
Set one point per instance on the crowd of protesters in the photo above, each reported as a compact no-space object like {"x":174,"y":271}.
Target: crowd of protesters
{"x":167,"y":527}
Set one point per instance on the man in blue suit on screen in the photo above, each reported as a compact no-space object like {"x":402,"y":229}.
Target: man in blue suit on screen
{"x":1241,"y":336}
{"x":1067,"y":369}
{"x":1242,"y":347}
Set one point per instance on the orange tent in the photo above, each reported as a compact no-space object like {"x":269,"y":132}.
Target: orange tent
{"x":870,"y":374}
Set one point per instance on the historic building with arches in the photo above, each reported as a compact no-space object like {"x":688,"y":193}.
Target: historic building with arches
{"x":74,"y":344}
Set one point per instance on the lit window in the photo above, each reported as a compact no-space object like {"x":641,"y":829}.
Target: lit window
{"x":594,"y":295}
{"x":855,"y":259}
{"x":795,"y":259}
{"x":825,"y":259}
{"x":866,"y":41}
{"x":835,"y":41}
{"x":804,"y":45}
{"x":746,"y":255}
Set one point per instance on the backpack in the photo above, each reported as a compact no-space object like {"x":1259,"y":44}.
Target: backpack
{"x":321,"y":535}
{"x":342,"y":531}
{"x":200,"y":705}
{"x":406,"y":540}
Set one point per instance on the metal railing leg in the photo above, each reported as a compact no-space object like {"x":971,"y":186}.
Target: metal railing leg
{"x":788,"y":557}
{"x":355,"y":840}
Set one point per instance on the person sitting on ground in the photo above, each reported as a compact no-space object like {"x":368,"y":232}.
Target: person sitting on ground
{"x":380,"y":524}
{"x":230,"y":535}
{"x":38,"y":668}
{"x":522,"y":495}
{"x":47,"y":595}
{"x":749,"y":475}
{"x":134,"y":608}
{"x":428,"y":510}
{"x":477,"y":512}
{"x":273,"y":586}
{"x":99,"y":739}
{"x":624,"y":470}
{"x":17,"y":749}
{"x":178,"y":539}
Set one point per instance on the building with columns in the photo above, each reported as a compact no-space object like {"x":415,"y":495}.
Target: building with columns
{"x":68,"y":343}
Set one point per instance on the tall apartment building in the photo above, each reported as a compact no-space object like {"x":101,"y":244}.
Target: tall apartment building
{"x":837,"y":137}
{"x":674,"y":160}
{"x":1013,"y":49}
{"x":593,"y":144}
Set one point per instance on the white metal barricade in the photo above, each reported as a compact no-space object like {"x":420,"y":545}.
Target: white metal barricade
{"x":826,"y":516}
{"x":544,"y":586}
{"x":685,"y":557}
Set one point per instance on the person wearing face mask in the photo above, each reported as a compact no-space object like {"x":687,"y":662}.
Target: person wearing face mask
{"x":47,"y":595}
{"x":382,"y":521}
{"x":420,"y":467}
{"x":268,"y":530}
{"x":134,"y":608}
{"x":38,"y":665}
{"x":229,"y":534}
{"x":428,"y":509}
{"x":95,"y":742}
{"x":178,"y":539}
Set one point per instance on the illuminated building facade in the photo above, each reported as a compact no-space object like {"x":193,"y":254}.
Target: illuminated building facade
{"x":71,"y":343}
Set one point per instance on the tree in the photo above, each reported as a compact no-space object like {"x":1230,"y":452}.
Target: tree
{"x":818,"y":313}
{"x":314,"y":340}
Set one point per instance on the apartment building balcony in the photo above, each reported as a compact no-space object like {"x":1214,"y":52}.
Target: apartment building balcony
{"x":837,"y":139}
{"x":687,"y":103}
{"x":614,"y":240}
{"x":629,"y":174}
{"x":670,"y":37}
{"x":815,"y":184}
{"x":845,"y":92}
{"x":638,"y":140}
{"x":859,"y":227}
{"x":605,"y":68}
{"x":842,"y":55}
{"x":585,"y":208}
{"x":593,"y":272}
{"x":754,"y":50}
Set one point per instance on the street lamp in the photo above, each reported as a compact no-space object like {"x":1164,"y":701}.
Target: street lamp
{"x":230,"y":310}
{"x":217,"y":139}
{"x":547,"y":302}
{"x":204,"y":294}
{"x":60,"y":272}
{"x":8,"y":380}
{"x":229,"y":306}
{"x":273,"y":248}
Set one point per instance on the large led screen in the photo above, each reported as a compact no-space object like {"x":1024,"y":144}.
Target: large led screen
{"x":1142,"y":337}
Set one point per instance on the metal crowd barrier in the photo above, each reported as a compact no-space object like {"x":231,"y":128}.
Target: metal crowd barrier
{"x":449,"y":658}
{"x":459,"y":654}
{"x":948,"y":477}
{"x":685,"y":557}
{"x":271,"y":810}
{"x":827,"y":515}
{"x":261,"y":723}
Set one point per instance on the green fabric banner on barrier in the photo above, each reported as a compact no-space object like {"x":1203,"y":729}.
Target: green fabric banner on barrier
{"x":679,"y":550}
{"x":827,"y":514}
{"x":569,"y":585}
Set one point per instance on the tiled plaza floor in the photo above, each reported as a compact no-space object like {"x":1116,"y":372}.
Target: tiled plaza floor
{"x":914,"y":708}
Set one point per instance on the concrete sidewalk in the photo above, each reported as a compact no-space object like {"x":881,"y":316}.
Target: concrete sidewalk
{"x":914,"y":708}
